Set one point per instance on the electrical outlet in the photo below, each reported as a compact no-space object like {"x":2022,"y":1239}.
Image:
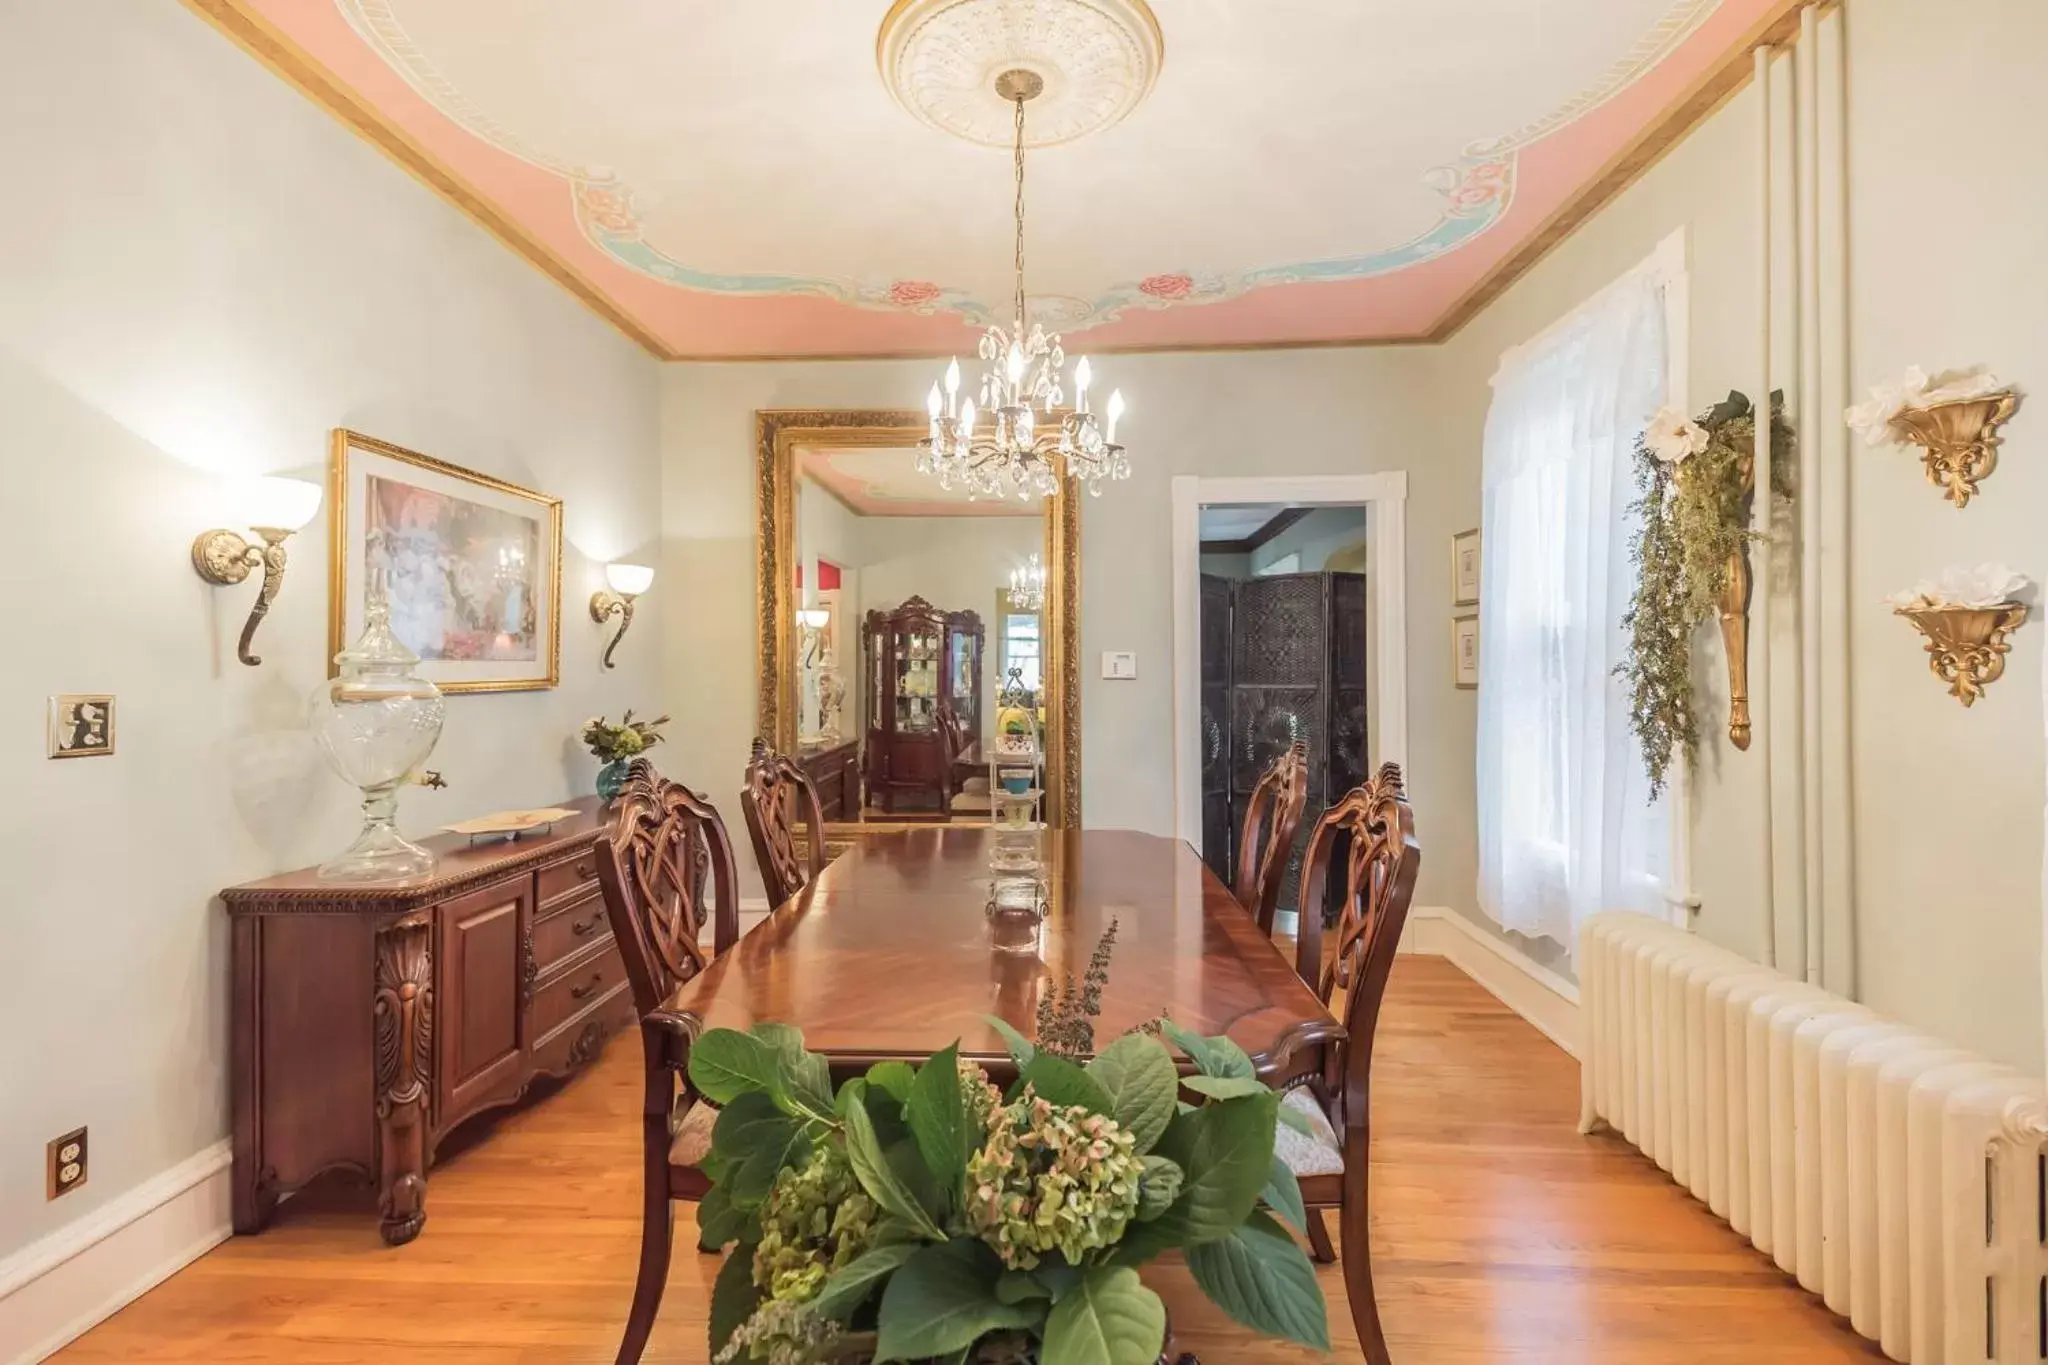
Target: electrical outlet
{"x":67,"y":1163}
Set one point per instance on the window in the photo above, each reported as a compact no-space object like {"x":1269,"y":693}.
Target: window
{"x":1566,"y":826}
{"x":1020,"y":645}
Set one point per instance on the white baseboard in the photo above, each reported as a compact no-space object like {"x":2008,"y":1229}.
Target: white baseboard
{"x":1539,"y":995}
{"x":53,"y":1290}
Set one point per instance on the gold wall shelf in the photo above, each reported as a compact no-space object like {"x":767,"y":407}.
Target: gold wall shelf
{"x":1958,"y":440}
{"x":1966,"y":646}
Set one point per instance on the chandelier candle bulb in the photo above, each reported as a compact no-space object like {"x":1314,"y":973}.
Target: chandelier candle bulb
{"x":1116,"y":412}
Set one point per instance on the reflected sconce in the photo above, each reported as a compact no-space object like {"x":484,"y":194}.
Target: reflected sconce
{"x":627,"y":581}
{"x":271,"y":508}
{"x":811,"y":621}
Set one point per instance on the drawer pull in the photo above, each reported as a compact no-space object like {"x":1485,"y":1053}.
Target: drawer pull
{"x":583,"y":991}
{"x":582,"y":927}
{"x":586,"y":870}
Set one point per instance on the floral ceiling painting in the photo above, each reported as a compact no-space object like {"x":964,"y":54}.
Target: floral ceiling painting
{"x":770,"y":179}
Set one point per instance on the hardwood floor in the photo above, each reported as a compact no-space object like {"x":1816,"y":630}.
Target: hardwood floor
{"x":1502,"y":1236}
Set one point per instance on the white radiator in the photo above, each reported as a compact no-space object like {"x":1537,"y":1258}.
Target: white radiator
{"x":1900,"y":1178}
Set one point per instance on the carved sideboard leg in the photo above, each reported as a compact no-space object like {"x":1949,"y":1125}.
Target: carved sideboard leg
{"x":404,"y":1015}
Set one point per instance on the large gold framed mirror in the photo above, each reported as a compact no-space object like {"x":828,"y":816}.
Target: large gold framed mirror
{"x":863,"y":563}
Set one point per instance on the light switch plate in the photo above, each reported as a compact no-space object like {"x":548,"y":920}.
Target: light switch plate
{"x":1119,"y":663}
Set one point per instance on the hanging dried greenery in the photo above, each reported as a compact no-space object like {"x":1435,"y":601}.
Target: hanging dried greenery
{"x":1694,"y":477}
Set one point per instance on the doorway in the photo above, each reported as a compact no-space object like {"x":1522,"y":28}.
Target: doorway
{"x":1249,"y":505}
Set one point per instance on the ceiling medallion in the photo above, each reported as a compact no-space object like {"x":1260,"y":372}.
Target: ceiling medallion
{"x":1010,"y":454}
{"x":1096,"y":60}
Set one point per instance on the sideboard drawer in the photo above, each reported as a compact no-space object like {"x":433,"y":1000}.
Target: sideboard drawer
{"x":567,"y":879}
{"x":566,"y":931}
{"x":578,"y":985}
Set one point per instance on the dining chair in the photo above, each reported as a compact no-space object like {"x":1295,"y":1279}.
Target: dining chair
{"x":1272,"y":816}
{"x":777,"y":793}
{"x":664,"y":842}
{"x":1380,"y":860}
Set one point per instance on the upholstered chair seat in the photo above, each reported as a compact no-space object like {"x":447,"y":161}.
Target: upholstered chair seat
{"x":1316,"y":1152}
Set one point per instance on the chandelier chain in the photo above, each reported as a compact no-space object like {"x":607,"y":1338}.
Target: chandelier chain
{"x":1019,"y":262}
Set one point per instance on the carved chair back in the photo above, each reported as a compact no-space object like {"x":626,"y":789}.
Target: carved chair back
{"x":664,"y":842}
{"x":1381,"y":859}
{"x":777,"y":795}
{"x":1271,"y":818}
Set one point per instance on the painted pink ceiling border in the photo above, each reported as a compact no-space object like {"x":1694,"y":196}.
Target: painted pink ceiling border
{"x":1409,"y":304}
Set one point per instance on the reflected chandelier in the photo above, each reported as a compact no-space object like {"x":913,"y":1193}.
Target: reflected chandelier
{"x":1000,"y":448}
{"x":1027,"y":585}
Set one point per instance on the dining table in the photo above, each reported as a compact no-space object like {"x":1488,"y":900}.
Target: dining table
{"x":891,"y":953}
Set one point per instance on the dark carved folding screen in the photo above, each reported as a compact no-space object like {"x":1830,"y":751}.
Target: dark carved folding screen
{"x":1283,"y":658}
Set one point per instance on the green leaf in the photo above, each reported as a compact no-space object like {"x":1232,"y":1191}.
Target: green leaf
{"x":1020,"y":1286}
{"x":1137,"y":1074}
{"x":894,"y":1077}
{"x":749,"y":1178}
{"x":942,"y":1299}
{"x":725,"y":1064}
{"x":733,"y":1298}
{"x":1223,"y":1087}
{"x":1158,"y":1187}
{"x":871,"y":1166}
{"x":1058,"y":1081}
{"x":937,"y":1113}
{"x":1216,"y":1056}
{"x":745,"y":1124}
{"x":1297,"y":1120}
{"x":849,"y":1286}
{"x":1263,"y":1279}
{"x":1110,"y":1318}
{"x":1226,"y":1151}
{"x":784,"y":1038}
{"x":1283,"y":1195}
{"x":1022,"y":1050}
{"x":718,"y":1222}
{"x":802,"y":1085}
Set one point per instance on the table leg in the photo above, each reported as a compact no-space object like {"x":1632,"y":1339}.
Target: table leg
{"x":404,"y":1018}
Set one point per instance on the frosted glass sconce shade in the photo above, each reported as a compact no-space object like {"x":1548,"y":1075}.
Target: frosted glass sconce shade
{"x":627,"y":581}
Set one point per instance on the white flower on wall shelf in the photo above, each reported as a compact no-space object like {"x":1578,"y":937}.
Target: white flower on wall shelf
{"x":1872,"y":420}
{"x":1986,"y":585}
{"x":1673,"y":437}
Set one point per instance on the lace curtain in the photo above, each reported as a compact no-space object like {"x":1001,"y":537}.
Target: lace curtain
{"x":1566,"y":825}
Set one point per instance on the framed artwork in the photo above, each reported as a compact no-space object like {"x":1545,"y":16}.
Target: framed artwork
{"x":1465,"y":569}
{"x":471,"y":566}
{"x":81,"y":726}
{"x":1465,"y":651}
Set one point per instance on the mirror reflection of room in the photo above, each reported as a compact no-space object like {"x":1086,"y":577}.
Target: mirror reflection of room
{"x":916,"y":606}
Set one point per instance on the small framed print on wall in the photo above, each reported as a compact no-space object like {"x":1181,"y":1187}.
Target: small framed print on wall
{"x":1465,"y":569}
{"x":81,"y":726}
{"x":471,"y":566}
{"x":1465,"y":651}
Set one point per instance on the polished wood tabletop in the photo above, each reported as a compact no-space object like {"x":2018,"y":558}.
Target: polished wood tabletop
{"x":890,"y":953}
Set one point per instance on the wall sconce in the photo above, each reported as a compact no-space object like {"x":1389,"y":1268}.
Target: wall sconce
{"x":273,"y":509}
{"x":628,"y":582}
{"x":1966,"y":615}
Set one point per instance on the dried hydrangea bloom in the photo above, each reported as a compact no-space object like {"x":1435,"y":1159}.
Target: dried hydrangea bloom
{"x":1052,"y":1178}
{"x":816,"y":1220}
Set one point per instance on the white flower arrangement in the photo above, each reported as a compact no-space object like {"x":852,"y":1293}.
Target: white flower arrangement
{"x":1673,"y":437}
{"x":1960,"y":586}
{"x":1872,"y":420}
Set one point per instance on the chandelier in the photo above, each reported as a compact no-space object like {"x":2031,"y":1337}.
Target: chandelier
{"x":1013,"y":443}
{"x":1027,"y":585}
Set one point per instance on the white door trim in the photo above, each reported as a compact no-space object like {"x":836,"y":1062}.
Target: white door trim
{"x":1387,"y":495}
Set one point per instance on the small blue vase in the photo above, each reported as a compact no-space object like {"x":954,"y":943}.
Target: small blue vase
{"x":611,"y":779}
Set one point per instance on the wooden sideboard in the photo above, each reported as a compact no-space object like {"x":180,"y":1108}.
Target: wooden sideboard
{"x":370,"y":1020}
{"x":834,"y":769}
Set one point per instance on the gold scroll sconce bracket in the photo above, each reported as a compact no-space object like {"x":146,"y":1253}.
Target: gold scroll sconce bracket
{"x":1958,"y":440}
{"x":627,"y":581}
{"x":1966,"y":646}
{"x":275,"y":509}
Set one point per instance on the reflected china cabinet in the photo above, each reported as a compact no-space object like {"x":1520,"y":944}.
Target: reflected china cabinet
{"x":923,"y":701}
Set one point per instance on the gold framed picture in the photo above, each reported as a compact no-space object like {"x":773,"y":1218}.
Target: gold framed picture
{"x":470,"y":565}
{"x":1465,"y":568}
{"x":81,"y":726}
{"x":1465,"y":651}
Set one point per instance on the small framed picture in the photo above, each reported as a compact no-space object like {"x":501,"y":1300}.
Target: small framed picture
{"x":1465,"y":569}
{"x":1465,"y":651}
{"x":81,"y":726}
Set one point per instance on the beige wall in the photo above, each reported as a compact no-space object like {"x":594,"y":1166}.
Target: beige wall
{"x":208,"y":274}
{"x":1280,"y":412}
{"x":1947,"y":105}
